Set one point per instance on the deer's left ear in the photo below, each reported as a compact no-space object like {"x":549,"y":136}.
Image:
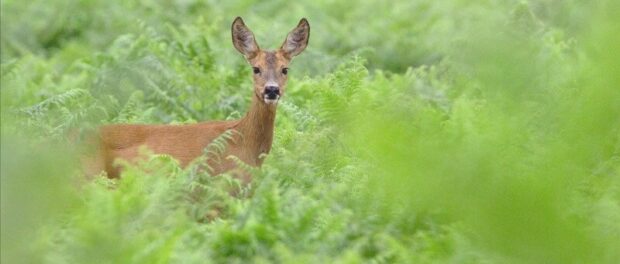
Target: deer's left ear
{"x":297,"y":40}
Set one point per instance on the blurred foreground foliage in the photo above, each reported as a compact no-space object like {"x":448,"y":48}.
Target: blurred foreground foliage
{"x":414,"y":132}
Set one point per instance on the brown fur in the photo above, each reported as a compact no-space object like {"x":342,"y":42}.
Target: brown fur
{"x":186,"y":142}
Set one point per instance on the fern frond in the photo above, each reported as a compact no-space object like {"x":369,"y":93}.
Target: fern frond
{"x":302,"y":118}
{"x":56,"y":100}
{"x":241,"y":164}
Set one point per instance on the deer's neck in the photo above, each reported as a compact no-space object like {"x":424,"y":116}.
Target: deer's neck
{"x":256,"y":129}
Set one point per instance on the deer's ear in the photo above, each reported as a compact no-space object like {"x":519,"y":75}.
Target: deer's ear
{"x":297,"y":40}
{"x":243,"y":39}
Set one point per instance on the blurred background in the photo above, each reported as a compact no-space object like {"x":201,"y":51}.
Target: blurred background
{"x":412,"y":132}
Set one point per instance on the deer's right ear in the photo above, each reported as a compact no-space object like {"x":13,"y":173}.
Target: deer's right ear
{"x":243,"y":39}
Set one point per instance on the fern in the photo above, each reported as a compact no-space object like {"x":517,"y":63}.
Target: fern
{"x":54,"y":101}
{"x":244,"y":166}
{"x":130,"y":110}
{"x":215,"y":150}
{"x":303,"y":119}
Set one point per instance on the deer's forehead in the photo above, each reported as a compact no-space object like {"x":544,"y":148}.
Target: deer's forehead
{"x":271,"y":59}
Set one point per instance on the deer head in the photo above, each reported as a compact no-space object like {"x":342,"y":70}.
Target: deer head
{"x":270,"y":68}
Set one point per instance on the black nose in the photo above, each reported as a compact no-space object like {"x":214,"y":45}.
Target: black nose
{"x":272,"y":92}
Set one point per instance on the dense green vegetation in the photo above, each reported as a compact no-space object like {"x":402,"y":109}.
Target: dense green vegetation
{"x":411,"y":132}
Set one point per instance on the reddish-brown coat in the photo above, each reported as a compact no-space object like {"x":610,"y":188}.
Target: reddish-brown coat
{"x":253,"y":137}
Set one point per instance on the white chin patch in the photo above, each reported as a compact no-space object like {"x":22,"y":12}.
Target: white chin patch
{"x":271,"y":101}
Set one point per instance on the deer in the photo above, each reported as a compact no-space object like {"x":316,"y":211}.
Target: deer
{"x":254,"y":132}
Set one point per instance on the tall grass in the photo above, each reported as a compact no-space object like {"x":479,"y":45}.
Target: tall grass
{"x":415,"y":132}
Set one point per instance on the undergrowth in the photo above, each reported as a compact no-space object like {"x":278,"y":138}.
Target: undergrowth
{"x":414,"y":132}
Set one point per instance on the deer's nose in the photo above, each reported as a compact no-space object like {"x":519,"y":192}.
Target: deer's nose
{"x":272,"y":92}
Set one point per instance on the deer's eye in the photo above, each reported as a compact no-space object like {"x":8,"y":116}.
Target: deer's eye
{"x":256,"y":70}
{"x":285,"y":71}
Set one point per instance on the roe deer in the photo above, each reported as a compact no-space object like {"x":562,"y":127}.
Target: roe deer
{"x":254,"y":132}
